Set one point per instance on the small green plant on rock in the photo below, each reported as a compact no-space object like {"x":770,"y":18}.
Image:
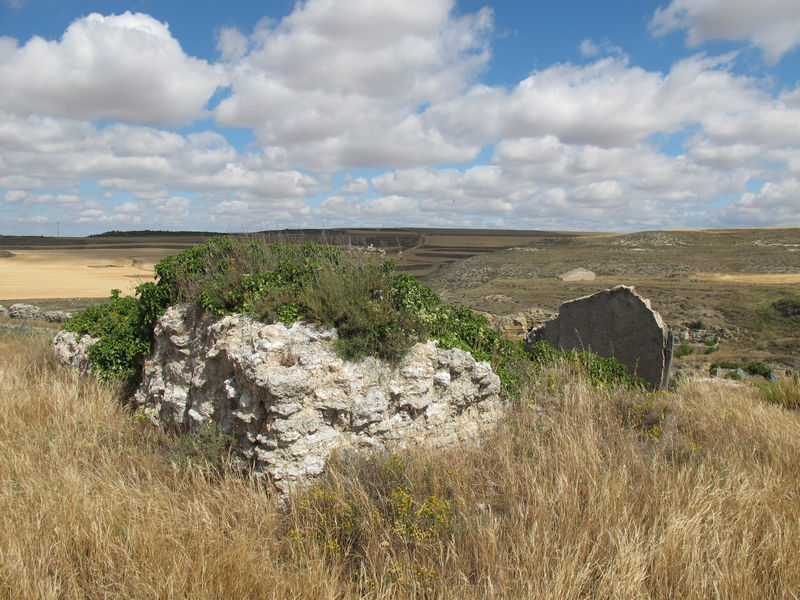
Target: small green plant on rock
{"x":602,"y":371}
{"x":123,"y":332}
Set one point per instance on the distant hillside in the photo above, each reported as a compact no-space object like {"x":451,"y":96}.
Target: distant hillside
{"x":151,"y":233}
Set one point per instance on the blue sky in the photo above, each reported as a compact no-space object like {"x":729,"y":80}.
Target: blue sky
{"x":241,"y":116}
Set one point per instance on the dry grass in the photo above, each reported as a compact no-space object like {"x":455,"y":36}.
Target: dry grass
{"x":583,"y":493}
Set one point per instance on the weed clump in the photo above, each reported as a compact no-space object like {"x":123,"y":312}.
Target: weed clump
{"x":782,"y":392}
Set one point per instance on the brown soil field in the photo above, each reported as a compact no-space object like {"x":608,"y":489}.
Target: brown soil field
{"x":724,"y":278}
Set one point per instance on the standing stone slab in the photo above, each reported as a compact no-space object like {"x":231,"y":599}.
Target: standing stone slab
{"x":614,"y":323}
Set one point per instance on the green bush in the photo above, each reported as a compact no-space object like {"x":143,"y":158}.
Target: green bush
{"x":602,"y":371}
{"x":725,"y":364}
{"x":376,"y":311}
{"x":782,"y":312}
{"x":682,"y":350}
{"x":788,"y":307}
{"x":124,"y":335}
{"x":758,"y":368}
{"x":753,"y":368}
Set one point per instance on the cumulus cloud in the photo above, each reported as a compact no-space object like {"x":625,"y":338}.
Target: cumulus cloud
{"x":771,"y":25}
{"x":122,"y":67}
{"x":775,"y":202}
{"x":354,"y":185}
{"x":342,"y":84}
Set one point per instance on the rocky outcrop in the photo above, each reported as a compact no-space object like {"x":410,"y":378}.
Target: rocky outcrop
{"x":516,"y":326}
{"x":72,"y":350}
{"x":28,"y":311}
{"x":3,"y":311}
{"x":577,"y":275}
{"x":24,"y":311}
{"x":614,"y":323}
{"x":290,"y":401}
{"x":55,"y":316}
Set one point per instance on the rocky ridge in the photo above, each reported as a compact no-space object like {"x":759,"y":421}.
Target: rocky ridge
{"x":291,"y":401}
{"x":28,"y":311}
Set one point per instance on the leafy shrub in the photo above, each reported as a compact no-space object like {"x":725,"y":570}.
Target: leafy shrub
{"x":375,"y":310}
{"x":784,"y":311}
{"x":698,"y":324}
{"x":758,"y":368}
{"x":124,"y":335}
{"x":725,"y":364}
{"x":682,"y":350}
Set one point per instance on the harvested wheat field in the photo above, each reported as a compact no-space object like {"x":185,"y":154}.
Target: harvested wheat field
{"x":65,"y":273}
{"x":751,"y":278}
{"x":583,"y":493}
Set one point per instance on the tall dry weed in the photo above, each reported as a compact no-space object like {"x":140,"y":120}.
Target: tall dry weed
{"x":582,"y":493}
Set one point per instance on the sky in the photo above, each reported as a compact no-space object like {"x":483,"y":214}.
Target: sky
{"x":247,"y":115}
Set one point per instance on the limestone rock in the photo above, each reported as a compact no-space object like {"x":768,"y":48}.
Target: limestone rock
{"x":613,"y":323}
{"x":73,"y":351}
{"x":290,"y":401}
{"x":25,"y":311}
{"x":3,"y":311}
{"x":577,"y":275}
{"x":55,"y":316}
{"x":517,"y":325}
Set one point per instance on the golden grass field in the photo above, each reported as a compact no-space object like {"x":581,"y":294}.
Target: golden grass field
{"x":65,"y":273}
{"x":582,"y":493}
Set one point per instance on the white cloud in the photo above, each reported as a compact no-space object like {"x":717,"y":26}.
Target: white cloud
{"x":343,"y":210}
{"x":14,"y":196}
{"x":589,"y":48}
{"x":609,"y":102}
{"x":775,"y":203}
{"x":354,"y":185}
{"x":772,"y":25}
{"x":341,"y":84}
{"x":124,"y":67}
{"x":7,"y":47}
{"x":354,"y":84}
{"x":231,"y":43}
